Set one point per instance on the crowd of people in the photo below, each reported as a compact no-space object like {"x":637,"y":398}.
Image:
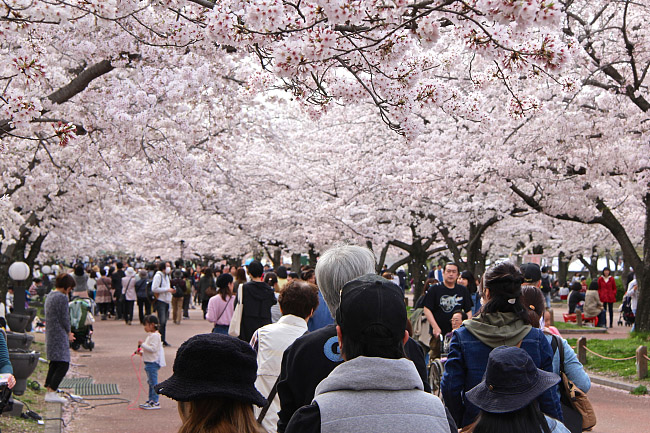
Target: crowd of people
{"x":331,"y":348}
{"x":362,"y":371}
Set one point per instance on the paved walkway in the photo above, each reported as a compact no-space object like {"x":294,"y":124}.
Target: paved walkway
{"x":110,"y":362}
{"x":619,"y":411}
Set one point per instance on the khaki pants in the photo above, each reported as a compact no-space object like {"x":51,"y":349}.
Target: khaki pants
{"x":177,"y":310}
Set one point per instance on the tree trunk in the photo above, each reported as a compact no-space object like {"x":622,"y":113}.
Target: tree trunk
{"x":276,"y":258}
{"x":479,"y":270}
{"x":295,"y":262}
{"x":563,"y":268}
{"x":591,"y":267}
{"x":313,"y":256}
{"x":452,"y":246}
{"x":382,"y":258}
{"x":642,"y":321}
{"x":418,"y":269}
{"x":474,"y":246}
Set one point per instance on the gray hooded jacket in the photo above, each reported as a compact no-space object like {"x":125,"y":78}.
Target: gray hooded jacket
{"x":377,"y":394}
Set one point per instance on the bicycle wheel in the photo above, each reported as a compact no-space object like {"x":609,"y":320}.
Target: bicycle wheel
{"x":435,"y":375}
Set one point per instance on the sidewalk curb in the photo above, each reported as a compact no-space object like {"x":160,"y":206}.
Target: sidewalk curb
{"x":613,"y":383}
{"x":584,"y":331}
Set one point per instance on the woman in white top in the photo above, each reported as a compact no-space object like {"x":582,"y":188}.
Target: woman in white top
{"x":128,"y":289}
{"x":633,"y":293}
{"x":298,"y":301}
{"x":161,"y":287}
{"x":221,"y":306}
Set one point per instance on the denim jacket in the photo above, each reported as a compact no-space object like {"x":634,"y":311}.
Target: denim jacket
{"x":467,"y":362}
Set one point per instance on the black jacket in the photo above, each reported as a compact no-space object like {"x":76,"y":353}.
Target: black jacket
{"x":258,"y":300}
{"x":310,"y":359}
{"x":116,"y":282}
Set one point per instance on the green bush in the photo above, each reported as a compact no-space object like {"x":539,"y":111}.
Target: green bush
{"x":639,"y":390}
{"x":620,"y":289}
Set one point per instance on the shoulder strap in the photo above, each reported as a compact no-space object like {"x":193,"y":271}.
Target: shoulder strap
{"x":225,"y":307}
{"x":556,"y":344}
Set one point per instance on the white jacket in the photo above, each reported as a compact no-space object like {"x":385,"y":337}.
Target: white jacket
{"x":272,"y":340}
{"x":161,"y":285}
{"x":152,"y":349}
{"x":633,"y":294}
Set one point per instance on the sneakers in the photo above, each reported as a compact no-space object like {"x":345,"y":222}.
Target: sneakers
{"x":150,"y":405}
{"x":52,"y":397}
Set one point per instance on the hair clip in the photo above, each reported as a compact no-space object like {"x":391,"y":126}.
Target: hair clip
{"x":532,"y":307}
{"x":512,"y":301}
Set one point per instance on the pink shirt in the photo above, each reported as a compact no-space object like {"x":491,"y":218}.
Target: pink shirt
{"x":217,"y":306}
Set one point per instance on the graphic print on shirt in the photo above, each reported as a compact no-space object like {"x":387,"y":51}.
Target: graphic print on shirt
{"x":332,"y":351}
{"x":448,"y":303}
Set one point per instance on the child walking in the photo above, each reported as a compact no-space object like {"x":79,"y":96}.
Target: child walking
{"x":152,"y":353}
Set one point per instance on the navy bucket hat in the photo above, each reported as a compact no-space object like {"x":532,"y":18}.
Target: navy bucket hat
{"x":213,"y":365}
{"x":511,"y":381}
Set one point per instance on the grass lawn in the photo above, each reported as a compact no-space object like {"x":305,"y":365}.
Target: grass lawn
{"x":619,"y":348}
{"x":569,"y":325}
{"x":32,"y":398}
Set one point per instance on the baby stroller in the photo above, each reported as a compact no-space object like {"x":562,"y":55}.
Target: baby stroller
{"x":81,"y":323}
{"x":626,"y":313}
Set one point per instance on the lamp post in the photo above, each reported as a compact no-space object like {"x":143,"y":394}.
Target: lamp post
{"x":182,"y":243}
{"x":19,"y":272}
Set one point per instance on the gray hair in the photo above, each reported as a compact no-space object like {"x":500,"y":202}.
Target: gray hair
{"x":337,"y":266}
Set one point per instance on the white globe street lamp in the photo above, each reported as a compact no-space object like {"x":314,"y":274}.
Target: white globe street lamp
{"x":19,"y":271}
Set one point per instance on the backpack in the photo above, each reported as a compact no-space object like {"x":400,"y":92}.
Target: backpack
{"x":179,"y":286}
{"x":546,"y":284}
{"x":150,"y":293}
{"x":420,"y":326}
{"x":142,"y":288}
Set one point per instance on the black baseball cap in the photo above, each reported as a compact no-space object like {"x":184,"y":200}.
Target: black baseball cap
{"x":531,"y":271}
{"x":371,"y":301}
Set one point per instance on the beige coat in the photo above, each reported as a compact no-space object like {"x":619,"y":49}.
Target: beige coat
{"x":593,"y":306}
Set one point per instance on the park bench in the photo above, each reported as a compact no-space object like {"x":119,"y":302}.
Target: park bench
{"x":573,"y":318}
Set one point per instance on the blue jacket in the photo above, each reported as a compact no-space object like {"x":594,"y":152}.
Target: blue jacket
{"x":467,"y":362}
{"x":572,"y":367}
{"x":321,"y":317}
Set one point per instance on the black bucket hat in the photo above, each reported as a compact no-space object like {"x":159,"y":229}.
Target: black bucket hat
{"x":511,"y":381}
{"x":213,"y":365}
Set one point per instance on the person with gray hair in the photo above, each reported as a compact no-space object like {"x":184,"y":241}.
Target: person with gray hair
{"x":339,"y":265}
{"x":312,"y":357}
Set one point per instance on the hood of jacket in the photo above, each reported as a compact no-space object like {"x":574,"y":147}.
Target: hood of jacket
{"x":369,"y":373}
{"x":258,"y":290}
{"x":498,"y":329}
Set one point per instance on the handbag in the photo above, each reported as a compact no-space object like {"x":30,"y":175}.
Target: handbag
{"x":210,"y":292}
{"x":579,"y":414}
{"x":235,"y":323}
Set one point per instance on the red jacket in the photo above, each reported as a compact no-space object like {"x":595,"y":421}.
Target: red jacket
{"x":607,"y":290}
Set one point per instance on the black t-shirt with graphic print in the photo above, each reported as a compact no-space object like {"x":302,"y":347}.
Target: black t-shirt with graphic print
{"x":443,"y":301}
